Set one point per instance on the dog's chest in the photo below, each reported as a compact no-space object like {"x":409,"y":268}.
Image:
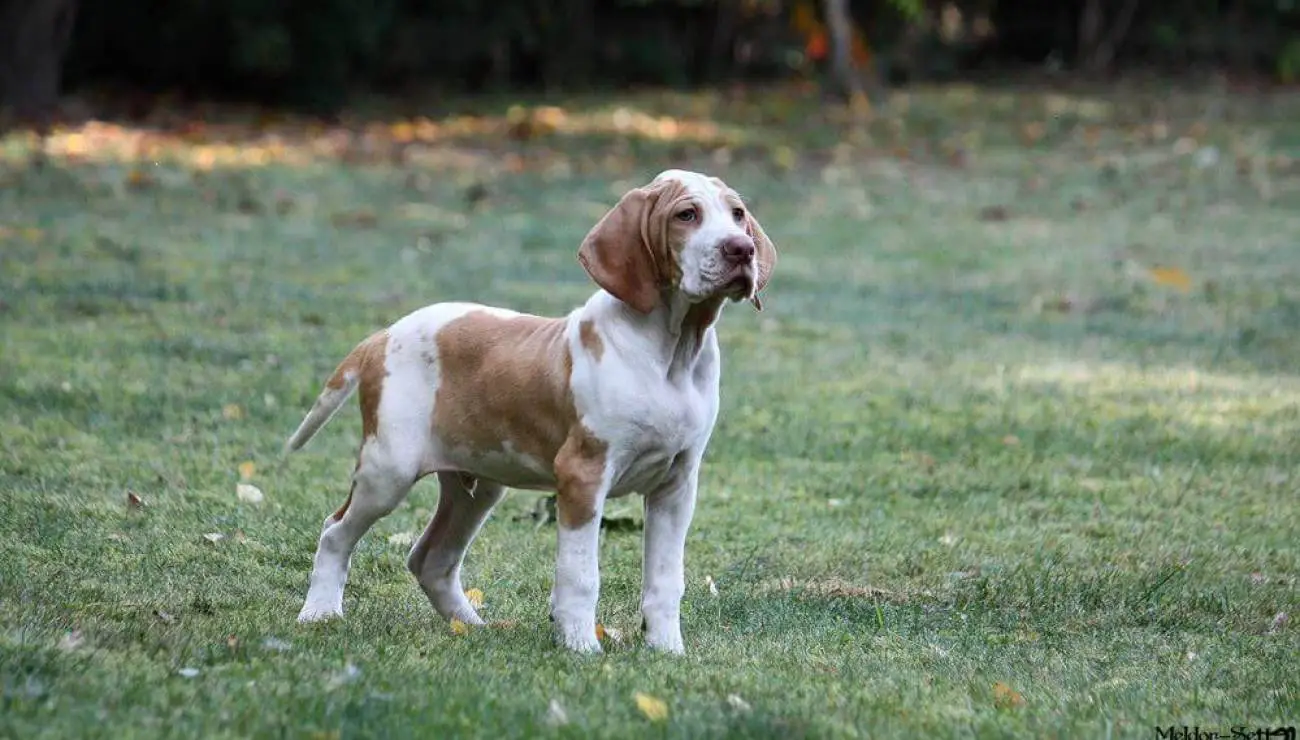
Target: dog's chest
{"x":657,"y":429}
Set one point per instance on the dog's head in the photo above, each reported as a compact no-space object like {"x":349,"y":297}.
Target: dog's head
{"x":684,"y":232}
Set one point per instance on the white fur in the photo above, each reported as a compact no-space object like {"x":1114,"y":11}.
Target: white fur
{"x":652,"y":397}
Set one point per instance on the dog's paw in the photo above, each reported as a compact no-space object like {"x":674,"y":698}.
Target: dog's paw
{"x":666,"y":641}
{"x":579,"y":639}
{"x":317,"y":613}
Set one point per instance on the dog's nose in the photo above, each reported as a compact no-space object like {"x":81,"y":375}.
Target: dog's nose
{"x":738,"y":249}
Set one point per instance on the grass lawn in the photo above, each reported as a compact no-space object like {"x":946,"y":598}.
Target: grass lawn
{"x":1013,"y":450}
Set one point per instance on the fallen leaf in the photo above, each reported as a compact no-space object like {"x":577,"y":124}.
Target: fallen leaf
{"x":401,"y":539}
{"x":1011,"y":440}
{"x":555,"y":714}
{"x":713,"y":587}
{"x":276,"y":644}
{"x":654,"y":708}
{"x":737,"y":703}
{"x":459,"y":628}
{"x":71,"y":641}
{"x":1279,"y":621}
{"x":475,"y":597}
{"x":612,"y":634}
{"x":1005,"y":697}
{"x":138,"y":179}
{"x":1171,"y":277}
{"x":232,"y":411}
{"x":188,"y":672}
{"x":232,"y":642}
{"x":133,"y":500}
{"x":1257,"y":578}
{"x":994,"y":213}
{"x":504,"y":624}
{"x":249,"y":493}
{"x":360,"y":219}
{"x":246,"y":470}
{"x":214,"y":537}
{"x":349,"y":674}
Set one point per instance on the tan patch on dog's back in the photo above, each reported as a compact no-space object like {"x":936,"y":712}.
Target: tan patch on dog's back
{"x":590,"y":339}
{"x":504,"y":380}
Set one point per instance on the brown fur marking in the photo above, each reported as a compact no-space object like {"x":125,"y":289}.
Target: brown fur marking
{"x":590,"y":339}
{"x":504,"y":380}
{"x":579,"y":468}
{"x":371,"y":354}
{"x":346,"y":503}
{"x":633,"y":250}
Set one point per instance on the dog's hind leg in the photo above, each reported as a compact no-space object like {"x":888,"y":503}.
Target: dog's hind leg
{"x":435,"y":559}
{"x":382,"y":479}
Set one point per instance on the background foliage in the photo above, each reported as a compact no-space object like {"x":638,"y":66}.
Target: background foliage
{"x":316,"y":52}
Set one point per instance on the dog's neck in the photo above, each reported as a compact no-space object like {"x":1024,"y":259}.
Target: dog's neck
{"x":676,"y":331}
{"x":688,"y":323}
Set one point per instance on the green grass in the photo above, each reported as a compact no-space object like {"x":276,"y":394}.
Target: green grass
{"x":957,"y":453}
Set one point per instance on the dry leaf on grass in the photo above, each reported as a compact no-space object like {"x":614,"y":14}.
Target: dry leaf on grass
{"x":1005,"y":697}
{"x":71,"y":641}
{"x":133,"y":500}
{"x":459,"y":628}
{"x":214,"y":537}
{"x":1279,"y":622}
{"x":1171,"y":277}
{"x":737,"y":703}
{"x":555,"y":714}
{"x":232,"y":412}
{"x":475,"y":597}
{"x":713,"y":587}
{"x":612,"y":634}
{"x":249,"y":493}
{"x":654,"y":708}
{"x":247,"y":469}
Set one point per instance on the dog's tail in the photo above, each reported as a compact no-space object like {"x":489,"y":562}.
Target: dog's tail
{"x":347,"y":376}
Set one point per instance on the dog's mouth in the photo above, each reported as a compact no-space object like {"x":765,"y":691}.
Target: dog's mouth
{"x":739,"y":287}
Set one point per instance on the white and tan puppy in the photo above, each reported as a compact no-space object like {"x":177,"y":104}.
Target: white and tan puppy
{"x":618,"y":396}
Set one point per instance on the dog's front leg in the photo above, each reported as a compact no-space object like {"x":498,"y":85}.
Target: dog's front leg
{"x":582,"y":480}
{"x":668,"y":513}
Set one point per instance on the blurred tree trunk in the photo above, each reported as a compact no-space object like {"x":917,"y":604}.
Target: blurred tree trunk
{"x":34,"y":35}
{"x":860,"y":87}
{"x":1097,"y":43}
{"x":839,"y":29}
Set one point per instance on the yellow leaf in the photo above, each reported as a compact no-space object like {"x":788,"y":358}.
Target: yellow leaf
{"x":654,"y":708}
{"x":246,"y":470}
{"x":232,"y":411}
{"x":475,"y":597}
{"x":600,"y":632}
{"x":1171,"y":277}
{"x":459,"y":628}
{"x":1005,"y":697}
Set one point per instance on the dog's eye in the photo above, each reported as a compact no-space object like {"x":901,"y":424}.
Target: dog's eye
{"x":687,"y":215}
{"x":738,"y":214}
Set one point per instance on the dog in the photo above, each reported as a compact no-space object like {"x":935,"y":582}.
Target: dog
{"x":620,"y":395}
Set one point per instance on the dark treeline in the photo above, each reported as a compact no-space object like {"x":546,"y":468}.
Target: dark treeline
{"x":315,"y":53}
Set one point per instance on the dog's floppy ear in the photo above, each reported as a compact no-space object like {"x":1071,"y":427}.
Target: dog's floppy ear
{"x":764,"y":255}
{"x":618,"y":255}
